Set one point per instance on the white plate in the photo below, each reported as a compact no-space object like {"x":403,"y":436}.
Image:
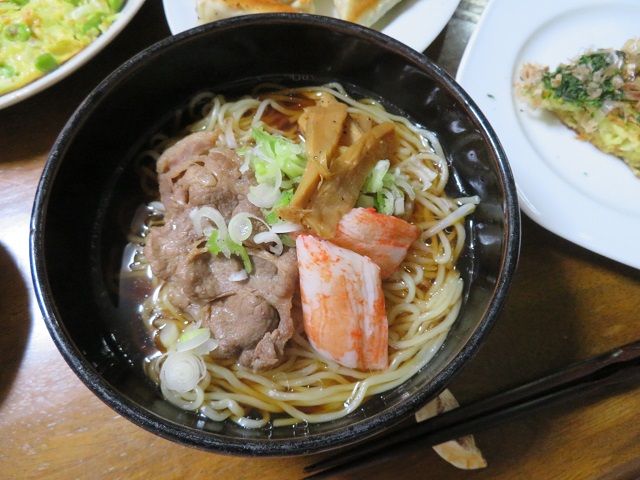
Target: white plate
{"x":128,"y":11}
{"x":414,"y":22}
{"x":564,"y":184}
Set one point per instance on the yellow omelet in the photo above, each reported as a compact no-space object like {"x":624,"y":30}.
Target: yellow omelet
{"x":36,"y":36}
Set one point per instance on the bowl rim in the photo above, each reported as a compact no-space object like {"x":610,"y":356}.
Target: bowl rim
{"x":306,"y":444}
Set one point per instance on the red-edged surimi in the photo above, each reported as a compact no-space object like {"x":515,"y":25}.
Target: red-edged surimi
{"x":342,"y":304}
{"x":385,"y":239}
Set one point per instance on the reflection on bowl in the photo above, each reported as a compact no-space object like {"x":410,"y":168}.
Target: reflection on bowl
{"x":87,"y":198}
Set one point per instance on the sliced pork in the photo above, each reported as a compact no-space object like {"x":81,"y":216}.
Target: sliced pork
{"x":251,"y":319}
{"x":239,"y":322}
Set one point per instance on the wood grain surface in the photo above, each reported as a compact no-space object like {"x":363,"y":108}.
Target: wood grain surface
{"x":566,"y":304}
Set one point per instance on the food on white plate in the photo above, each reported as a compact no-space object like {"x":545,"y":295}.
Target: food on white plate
{"x":364,"y":12}
{"x":597,"y":94}
{"x":36,"y":36}
{"x":300,"y":256}
{"x":462,"y":452}
{"x":210,"y":10}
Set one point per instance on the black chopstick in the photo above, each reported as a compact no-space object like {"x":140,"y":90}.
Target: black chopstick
{"x":593,"y":375}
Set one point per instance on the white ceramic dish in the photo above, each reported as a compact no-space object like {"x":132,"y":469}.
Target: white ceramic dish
{"x":128,"y":11}
{"x":564,"y":184}
{"x":414,"y":22}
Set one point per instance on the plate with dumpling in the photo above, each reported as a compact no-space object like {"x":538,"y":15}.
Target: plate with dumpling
{"x":414,"y":22}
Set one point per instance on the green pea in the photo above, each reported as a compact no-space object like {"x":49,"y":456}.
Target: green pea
{"x":18,"y":31}
{"x":7,"y":71}
{"x":92,"y":22}
{"x":116,"y":5}
{"x":46,"y":62}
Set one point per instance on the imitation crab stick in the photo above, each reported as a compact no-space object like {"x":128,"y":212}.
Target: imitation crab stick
{"x":385,"y":239}
{"x":342,"y":304}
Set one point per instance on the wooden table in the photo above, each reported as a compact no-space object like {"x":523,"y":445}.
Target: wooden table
{"x":566,"y":304}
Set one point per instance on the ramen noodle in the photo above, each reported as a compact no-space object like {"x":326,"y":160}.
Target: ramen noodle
{"x":367,"y":194}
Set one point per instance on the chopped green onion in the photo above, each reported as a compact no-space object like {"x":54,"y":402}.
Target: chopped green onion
{"x":384,"y":202}
{"x":182,"y":371}
{"x":270,"y":237}
{"x":271,"y":216}
{"x":276,"y":161}
{"x":262,"y":171}
{"x":240,"y":227}
{"x":215,"y":245}
{"x":168,"y":334}
{"x":287,"y":241}
{"x":285,"y":198}
{"x":385,"y":190}
{"x":192,"y":338}
{"x":18,"y":32}
{"x":212,"y":215}
{"x":264,"y":195}
{"x":212,"y":243}
{"x":46,"y":62}
{"x":239,"y":250}
{"x":374,"y":180}
{"x":365,"y":201}
{"x":192,"y":333}
{"x":19,"y":2}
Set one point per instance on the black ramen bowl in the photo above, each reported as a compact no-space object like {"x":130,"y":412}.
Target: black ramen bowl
{"x":89,"y":189}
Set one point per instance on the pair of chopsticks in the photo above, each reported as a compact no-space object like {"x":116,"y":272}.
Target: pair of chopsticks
{"x":594,"y":375}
